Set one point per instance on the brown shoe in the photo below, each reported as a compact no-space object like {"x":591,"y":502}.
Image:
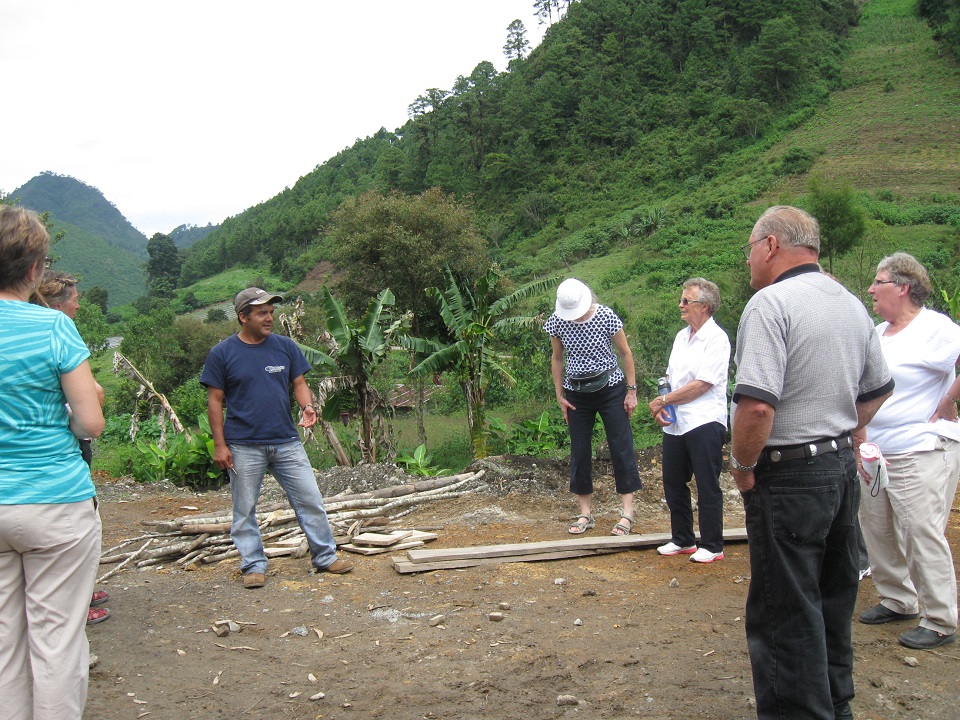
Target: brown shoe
{"x":337,"y":567}
{"x":254,"y":580}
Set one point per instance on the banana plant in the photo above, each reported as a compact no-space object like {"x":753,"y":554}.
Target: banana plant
{"x":351,"y":352}
{"x":475,"y":316}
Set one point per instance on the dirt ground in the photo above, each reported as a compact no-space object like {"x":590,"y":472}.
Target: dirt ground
{"x":625,"y":635}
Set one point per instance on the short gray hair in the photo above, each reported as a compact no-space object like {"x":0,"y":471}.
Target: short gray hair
{"x":791,"y":225}
{"x":709,"y":293}
{"x":905,"y":269}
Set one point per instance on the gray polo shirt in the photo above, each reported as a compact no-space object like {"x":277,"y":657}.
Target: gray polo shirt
{"x":807,"y":347}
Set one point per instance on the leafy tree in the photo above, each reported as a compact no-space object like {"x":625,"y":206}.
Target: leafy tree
{"x":97,"y":296}
{"x":163,"y":267}
{"x":403,"y":242}
{"x":517,"y":44}
{"x":475,"y":316}
{"x":841,"y":217}
{"x":92,"y":326}
{"x":351,"y":352}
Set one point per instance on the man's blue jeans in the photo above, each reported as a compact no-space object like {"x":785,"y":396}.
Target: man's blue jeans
{"x":803,"y":586}
{"x":291,"y":467}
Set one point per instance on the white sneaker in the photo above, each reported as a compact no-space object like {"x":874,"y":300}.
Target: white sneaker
{"x":671,"y":548}
{"x":866,"y":573}
{"x":705,"y":556}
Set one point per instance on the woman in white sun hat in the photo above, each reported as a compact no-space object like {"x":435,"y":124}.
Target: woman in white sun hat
{"x":586,"y":338}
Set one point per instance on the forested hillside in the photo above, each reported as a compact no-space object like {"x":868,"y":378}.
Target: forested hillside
{"x":98,"y":243}
{"x":74,"y":202}
{"x":624,"y":104}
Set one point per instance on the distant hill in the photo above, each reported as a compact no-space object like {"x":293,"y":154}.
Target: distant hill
{"x":186,"y":235}
{"x":99,"y":244}
{"x":95,"y":262}
{"x":72,"y":201}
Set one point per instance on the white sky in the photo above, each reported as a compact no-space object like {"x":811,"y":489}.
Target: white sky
{"x":190,"y":111}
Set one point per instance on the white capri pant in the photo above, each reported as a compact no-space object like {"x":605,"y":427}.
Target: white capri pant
{"x":49,"y":556}
{"x":904,"y":526}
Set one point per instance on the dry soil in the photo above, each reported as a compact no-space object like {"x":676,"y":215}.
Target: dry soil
{"x":625,"y":635}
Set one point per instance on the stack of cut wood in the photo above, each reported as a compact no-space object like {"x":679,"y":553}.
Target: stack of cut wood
{"x":188,"y":541}
{"x":451,"y":558}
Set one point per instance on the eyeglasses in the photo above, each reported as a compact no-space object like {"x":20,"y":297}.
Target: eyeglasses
{"x":686,"y":301}
{"x":748,"y":247}
{"x":885,"y":282}
{"x":47,"y":263}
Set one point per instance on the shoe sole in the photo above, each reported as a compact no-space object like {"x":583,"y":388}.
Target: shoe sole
{"x":718,"y":558}
{"x":884,"y":619}
{"x":678,"y":552}
{"x":101,"y":601}
{"x":929,"y":646}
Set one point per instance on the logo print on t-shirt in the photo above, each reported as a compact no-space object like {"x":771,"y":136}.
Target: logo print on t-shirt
{"x":275,"y":368}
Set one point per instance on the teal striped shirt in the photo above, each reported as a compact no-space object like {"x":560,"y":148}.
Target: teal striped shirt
{"x":40,"y":459}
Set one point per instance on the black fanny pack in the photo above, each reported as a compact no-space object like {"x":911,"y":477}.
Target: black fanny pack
{"x":590,"y":382}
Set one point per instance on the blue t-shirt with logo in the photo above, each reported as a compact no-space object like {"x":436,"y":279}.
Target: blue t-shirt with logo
{"x":255,"y":380}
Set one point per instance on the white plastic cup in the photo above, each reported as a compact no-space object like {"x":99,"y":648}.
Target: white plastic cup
{"x":874,"y":466}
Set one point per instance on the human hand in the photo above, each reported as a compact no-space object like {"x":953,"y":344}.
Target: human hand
{"x":946,"y":410}
{"x":745,"y":480}
{"x":308,"y":417}
{"x":564,"y":407}
{"x":222,"y":457}
{"x":630,"y":402}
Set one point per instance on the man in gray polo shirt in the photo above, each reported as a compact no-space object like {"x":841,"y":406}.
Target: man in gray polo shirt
{"x":809,"y":373}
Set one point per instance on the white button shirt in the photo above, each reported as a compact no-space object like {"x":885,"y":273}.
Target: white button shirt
{"x":706,"y":357}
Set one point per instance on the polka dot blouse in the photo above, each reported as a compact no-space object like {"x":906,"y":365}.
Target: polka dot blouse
{"x":588,"y":346}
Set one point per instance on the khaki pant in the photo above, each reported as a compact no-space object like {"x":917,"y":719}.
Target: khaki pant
{"x":904,"y":527}
{"x":49,"y":556}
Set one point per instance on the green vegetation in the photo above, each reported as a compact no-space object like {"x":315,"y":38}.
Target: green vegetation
{"x":633,"y":149}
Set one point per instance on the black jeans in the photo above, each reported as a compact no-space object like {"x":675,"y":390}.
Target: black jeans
{"x":608,"y":402}
{"x":697,"y":453}
{"x":803,"y":586}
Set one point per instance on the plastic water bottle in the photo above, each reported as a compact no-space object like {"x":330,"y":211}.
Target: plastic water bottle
{"x":874,"y":466}
{"x":663,"y":387}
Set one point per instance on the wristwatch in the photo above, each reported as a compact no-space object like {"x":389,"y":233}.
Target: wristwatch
{"x":631,"y":387}
{"x":737,"y":465}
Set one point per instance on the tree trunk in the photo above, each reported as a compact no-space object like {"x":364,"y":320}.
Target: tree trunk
{"x":343,"y":459}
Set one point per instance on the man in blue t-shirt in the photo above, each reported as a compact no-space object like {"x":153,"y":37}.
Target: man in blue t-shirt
{"x":251,"y":373}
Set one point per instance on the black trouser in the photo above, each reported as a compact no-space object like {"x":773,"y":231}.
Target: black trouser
{"x":608,"y":402}
{"x":697,"y":453}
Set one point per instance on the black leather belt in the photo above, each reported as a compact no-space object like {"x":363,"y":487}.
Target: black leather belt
{"x":804,"y":450}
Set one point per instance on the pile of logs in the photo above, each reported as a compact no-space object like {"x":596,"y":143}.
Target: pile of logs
{"x":191,"y":541}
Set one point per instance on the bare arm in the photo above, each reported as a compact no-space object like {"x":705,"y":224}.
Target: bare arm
{"x":947,"y":407}
{"x":222,"y":457}
{"x":751,"y":429}
{"x":80,"y":389}
{"x":304,"y":397}
{"x":629,"y":370}
{"x":556,"y":369}
{"x":688,"y":393}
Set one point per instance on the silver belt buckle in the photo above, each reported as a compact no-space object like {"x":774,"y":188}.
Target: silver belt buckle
{"x":833,"y":444}
{"x":813,"y":449}
{"x":775,"y":456}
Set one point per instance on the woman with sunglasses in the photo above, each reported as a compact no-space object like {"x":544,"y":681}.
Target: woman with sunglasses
{"x":692,"y":446}
{"x":58,"y":290}
{"x":918,"y":434}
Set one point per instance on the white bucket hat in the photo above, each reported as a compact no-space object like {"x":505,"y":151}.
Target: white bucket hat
{"x":573,"y":299}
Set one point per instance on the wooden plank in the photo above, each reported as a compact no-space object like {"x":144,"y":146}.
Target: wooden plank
{"x":402,"y":565}
{"x":578,"y":544}
{"x":373,"y":550}
{"x":381,"y":539}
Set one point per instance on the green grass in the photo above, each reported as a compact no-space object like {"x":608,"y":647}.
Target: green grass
{"x":224,"y":286}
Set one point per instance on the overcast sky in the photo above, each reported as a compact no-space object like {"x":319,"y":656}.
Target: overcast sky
{"x":190,"y":111}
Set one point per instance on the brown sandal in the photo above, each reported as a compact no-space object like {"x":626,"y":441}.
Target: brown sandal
{"x":581,"y":524}
{"x":623,"y":528}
